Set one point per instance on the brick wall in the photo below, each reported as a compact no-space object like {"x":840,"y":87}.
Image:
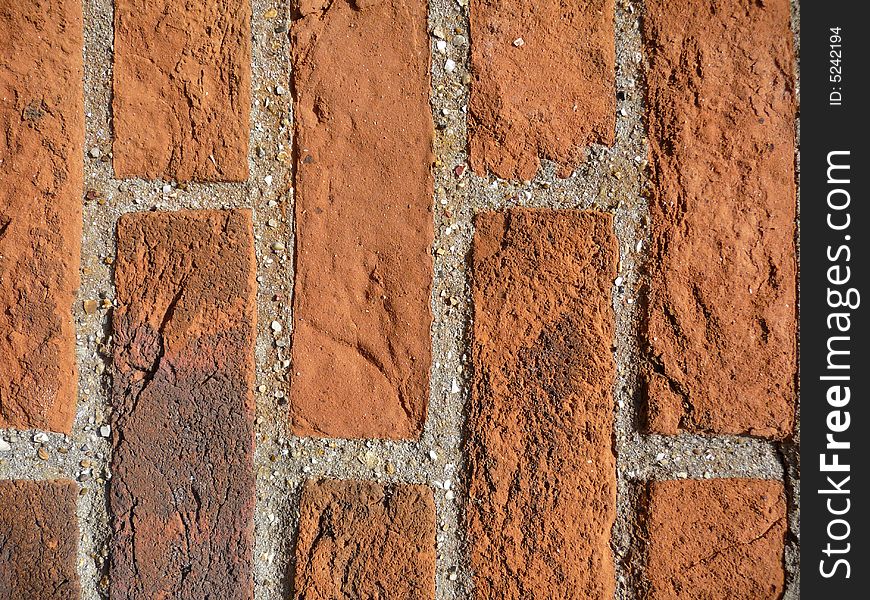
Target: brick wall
{"x":388,"y":298}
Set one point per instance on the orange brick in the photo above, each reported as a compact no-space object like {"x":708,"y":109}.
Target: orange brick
{"x":361,"y":343}
{"x":365,"y":540}
{"x":720,"y":317}
{"x":39,"y":540}
{"x":718,"y":538}
{"x":542,"y":475}
{"x":182,"y":490}
{"x":42,"y":120}
{"x":181,"y":98}
{"x":544,"y":83}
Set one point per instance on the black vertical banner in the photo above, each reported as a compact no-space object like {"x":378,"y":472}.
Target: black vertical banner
{"x":834,"y":366}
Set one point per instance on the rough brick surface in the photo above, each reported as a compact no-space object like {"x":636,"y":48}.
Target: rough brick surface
{"x":365,"y":540}
{"x":720,"y":324}
{"x":719,"y":538}
{"x":542,"y":478}
{"x":182,"y":491}
{"x":182,"y":89}
{"x":38,"y":540}
{"x":543,"y":83}
{"x":41,"y":138}
{"x":361,"y":343}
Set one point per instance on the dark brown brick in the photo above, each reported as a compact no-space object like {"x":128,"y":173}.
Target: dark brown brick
{"x":365,"y":540}
{"x":361,"y":344}
{"x":718,"y":538}
{"x":543,"y":83}
{"x":182,"y":89}
{"x":39,"y":540}
{"x":182,"y":492}
{"x":41,"y":136}
{"x":720,"y":322}
{"x":542,"y":475}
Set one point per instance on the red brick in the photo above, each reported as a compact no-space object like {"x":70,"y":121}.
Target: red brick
{"x":361,"y":344}
{"x":182,"y":89}
{"x":41,"y":136}
{"x":38,"y":540}
{"x":183,"y":488}
{"x":716,"y":539}
{"x":365,"y":540}
{"x":720,"y":322}
{"x":543,"y":83}
{"x":542,"y":475}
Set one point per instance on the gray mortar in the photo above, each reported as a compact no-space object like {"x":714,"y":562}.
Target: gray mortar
{"x":613,"y":179}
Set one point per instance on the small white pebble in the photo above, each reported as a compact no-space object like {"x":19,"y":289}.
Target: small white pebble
{"x":105,"y":430}
{"x":618,"y":281}
{"x":454,"y":387}
{"x":441,"y":46}
{"x":449,"y":65}
{"x":433,"y":455}
{"x":449,"y":495}
{"x":4,"y":446}
{"x":268,"y":179}
{"x":276,"y":327}
{"x":519,"y":42}
{"x":40,"y":438}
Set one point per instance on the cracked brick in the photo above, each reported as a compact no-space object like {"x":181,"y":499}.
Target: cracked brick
{"x":41,"y":138}
{"x":363,"y":137}
{"x":720,"y":326}
{"x":183,"y":488}
{"x":365,"y":540}
{"x":39,"y":540}
{"x":544,"y":84}
{"x":718,"y":538}
{"x":541,"y":470}
{"x":182,"y":89}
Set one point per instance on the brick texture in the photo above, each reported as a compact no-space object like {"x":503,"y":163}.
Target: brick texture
{"x":38,"y":540}
{"x":41,"y":138}
{"x":182,"y":492}
{"x":365,"y":540}
{"x":361,"y":343}
{"x":182,"y":89}
{"x":719,"y":538}
{"x":542,"y":478}
{"x":543,"y":83}
{"x":720,"y":323}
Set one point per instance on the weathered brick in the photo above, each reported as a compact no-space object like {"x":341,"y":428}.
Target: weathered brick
{"x":365,"y":540}
{"x":38,"y":540}
{"x":718,"y":538}
{"x":182,"y":89}
{"x":543,"y":83}
{"x":41,"y":137}
{"x":361,"y":343}
{"x":182,"y":492}
{"x":542,"y":476}
{"x":720,"y":317}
